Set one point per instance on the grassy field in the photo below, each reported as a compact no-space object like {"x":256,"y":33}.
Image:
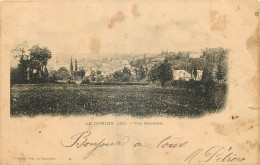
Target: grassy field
{"x":138,"y":101}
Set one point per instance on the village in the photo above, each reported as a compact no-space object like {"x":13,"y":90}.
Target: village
{"x":185,"y":66}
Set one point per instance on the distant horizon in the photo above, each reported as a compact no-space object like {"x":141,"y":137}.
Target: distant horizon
{"x":99,"y":56}
{"x":62,"y":57}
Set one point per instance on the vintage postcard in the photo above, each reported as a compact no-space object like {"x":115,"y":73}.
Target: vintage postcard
{"x":130,"y":82}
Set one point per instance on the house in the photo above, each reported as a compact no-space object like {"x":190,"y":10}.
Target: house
{"x":181,"y":75}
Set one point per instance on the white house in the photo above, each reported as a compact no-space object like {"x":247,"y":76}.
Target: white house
{"x":181,"y":75}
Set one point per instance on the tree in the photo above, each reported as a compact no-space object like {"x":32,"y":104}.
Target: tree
{"x":40,"y":56}
{"x":126,"y":74}
{"x":21,"y":51}
{"x":62,"y":74}
{"x":122,"y":75}
{"x":82,"y":73}
{"x":23,"y":70}
{"x":214,"y":55}
{"x":206,"y":75}
{"x":86,"y":81}
{"x":32,"y":62}
{"x":153,"y":74}
{"x":15,"y":76}
{"x":118,"y":75}
{"x":52,"y":76}
{"x":220,"y":73}
{"x":79,"y":74}
{"x":140,"y":73}
{"x":45,"y":73}
{"x":38,"y":61}
{"x":163,"y":72}
{"x":195,"y":72}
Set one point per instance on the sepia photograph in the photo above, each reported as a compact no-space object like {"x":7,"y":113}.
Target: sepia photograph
{"x":168,"y":83}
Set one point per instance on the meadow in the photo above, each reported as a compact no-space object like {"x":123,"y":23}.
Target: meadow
{"x":132,"y":100}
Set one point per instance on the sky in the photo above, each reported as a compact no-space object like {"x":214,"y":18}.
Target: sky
{"x":87,"y":28}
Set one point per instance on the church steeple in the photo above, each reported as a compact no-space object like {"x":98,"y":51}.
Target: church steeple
{"x":76,"y":65}
{"x":71,"y":66}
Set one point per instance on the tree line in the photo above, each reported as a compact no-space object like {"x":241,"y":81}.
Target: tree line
{"x":32,"y":68}
{"x":32,"y":65}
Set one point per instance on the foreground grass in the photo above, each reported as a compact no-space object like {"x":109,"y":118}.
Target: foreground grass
{"x":139,"y":101}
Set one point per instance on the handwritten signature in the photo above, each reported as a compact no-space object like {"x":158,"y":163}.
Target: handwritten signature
{"x":216,"y":154}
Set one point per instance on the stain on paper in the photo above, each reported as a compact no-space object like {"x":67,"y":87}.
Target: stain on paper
{"x":119,"y":17}
{"x":94,"y":45}
{"x":253,"y":46}
{"x":135,"y":11}
{"x":212,"y":15}
{"x":235,"y":117}
{"x":235,"y":128}
{"x":219,"y":23}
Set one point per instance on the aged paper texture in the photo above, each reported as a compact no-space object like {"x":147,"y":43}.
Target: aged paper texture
{"x":130,"y":82}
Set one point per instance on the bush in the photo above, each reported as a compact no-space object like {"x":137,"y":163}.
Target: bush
{"x":85,"y":81}
{"x":213,"y":92}
{"x":52,"y":79}
{"x":216,"y":94}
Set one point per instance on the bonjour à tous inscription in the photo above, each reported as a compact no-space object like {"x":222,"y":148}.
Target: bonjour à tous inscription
{"x":214,"y":153}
